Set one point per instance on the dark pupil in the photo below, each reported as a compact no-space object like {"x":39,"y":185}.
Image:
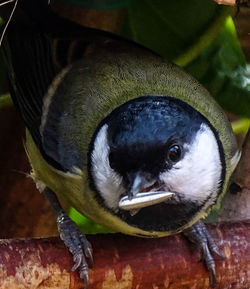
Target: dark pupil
{"x":174,"y":153}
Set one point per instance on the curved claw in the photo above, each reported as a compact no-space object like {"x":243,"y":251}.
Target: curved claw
{"x":88,"y":251}
{"x":213,"y":247}
{"x":89,"y":255}
{"x":77,"y":244}
{"x":85,"y":276}
{"x":210,"y":264}
{"x":199,"y":235}
{"x":77,"y":260}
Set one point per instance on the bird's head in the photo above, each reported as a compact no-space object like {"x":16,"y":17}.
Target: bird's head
{"x":151,"y":147}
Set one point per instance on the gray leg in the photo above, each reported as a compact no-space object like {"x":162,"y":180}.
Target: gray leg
{"x":72,"y":237}
{"x":199,"y":235}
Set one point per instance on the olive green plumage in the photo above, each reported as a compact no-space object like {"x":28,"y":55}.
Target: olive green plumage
{"x":108,"y":77}
{"x":103,"y":79}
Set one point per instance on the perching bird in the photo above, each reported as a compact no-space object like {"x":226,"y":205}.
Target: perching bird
{"x":125,"y":137}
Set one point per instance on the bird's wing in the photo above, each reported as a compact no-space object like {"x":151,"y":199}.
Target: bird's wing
{"x":38,"y":47}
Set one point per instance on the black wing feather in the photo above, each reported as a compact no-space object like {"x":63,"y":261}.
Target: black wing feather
{"x":38,"y":45}
{"x":30,"y":73}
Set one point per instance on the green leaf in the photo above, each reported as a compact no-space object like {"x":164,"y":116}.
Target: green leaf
{"x":199,"y":36}
{"x":177,"y":30}
{"x":5,"y":101}
{"x":221,"y":68}
{"x":241,"y":126}
{"x":86,"y":225}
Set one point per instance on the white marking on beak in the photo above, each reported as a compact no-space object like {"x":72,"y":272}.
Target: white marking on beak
{"x":138,"y":184}
{"x":144,"y":199}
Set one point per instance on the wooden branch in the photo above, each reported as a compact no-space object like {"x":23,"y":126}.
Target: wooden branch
{"x":128,"y":262}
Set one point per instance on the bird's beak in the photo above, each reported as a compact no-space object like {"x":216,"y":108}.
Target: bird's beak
{"x":139,"y":183}
{"x":142,"y":194}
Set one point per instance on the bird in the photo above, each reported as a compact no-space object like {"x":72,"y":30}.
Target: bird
{"x":127,"y":138}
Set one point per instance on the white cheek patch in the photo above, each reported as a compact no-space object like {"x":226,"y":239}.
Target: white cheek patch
{"x":197,"y":175}
{"x":107,"y":181}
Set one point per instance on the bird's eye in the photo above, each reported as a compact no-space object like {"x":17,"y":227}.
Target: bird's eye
{"x":174,"y":153}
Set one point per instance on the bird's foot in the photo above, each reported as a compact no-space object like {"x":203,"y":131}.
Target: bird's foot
{"x":199,"y":235}
{"x":77,"y":244}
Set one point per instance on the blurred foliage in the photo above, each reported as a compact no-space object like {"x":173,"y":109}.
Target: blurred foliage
{"x":86,"y":225}
{"x":241,"y":126}
{"x":222,"y":69}
{"x":5,"y":100}
{"x":201,"y":37}
{"x":170,"y":28}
